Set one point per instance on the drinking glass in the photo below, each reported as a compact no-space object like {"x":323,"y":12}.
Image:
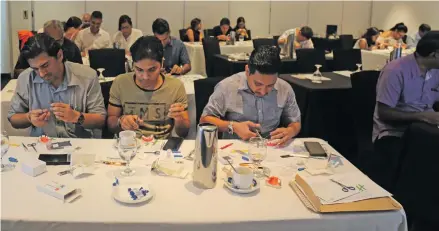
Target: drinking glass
{"x":257,"y":151}
{"x":127,"y":148}
{"x":101,"y":76}
{"x":359,"y":67}
{"x":241,"y":38}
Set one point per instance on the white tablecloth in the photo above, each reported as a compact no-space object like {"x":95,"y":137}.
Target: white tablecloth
{"x":377,"y":59}
{"x":177,"y":204}
{"x":196,"y":53}
{"x":8,"y":92}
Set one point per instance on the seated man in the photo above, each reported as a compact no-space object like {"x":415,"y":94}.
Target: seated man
{"x":54,"y":29}
{"x":176,"y":57}
{"x":146,"y":101}
{"x":222,"y":31}
{"x":93,"y":37}
{"x":413,"y":41}
{"x":255,"y":100}
{"x":303,"y":38}
{"x":406,"y":91}
{"x":55,"y":97}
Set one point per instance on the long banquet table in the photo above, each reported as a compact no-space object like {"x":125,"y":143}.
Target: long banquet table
{"x":177,"y":204}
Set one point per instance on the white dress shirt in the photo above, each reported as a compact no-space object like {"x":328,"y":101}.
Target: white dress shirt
{"x":122,"y":43}
{"x":89,"y":41}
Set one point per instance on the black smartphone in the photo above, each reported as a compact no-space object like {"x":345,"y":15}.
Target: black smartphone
{"x":54,"y":159}
{"x":173,"y":143}
{"x":315,"y":149}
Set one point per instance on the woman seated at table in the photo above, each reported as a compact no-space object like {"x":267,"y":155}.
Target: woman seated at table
{"x":241,"y":30}
{"x":194,"y":33}
{"x":393,"y":36}
{"x":222,"y":31}
{"x":72,"y":27}
{"x":127,"y":35}
{"x":367,"y":41}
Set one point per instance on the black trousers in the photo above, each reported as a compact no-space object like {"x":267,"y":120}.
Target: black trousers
{"x":387,"y":158}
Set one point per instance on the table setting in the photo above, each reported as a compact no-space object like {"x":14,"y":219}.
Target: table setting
{"x":144,"y":184}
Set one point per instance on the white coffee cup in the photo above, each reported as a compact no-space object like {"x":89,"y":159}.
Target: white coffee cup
{"x":243,"y":177}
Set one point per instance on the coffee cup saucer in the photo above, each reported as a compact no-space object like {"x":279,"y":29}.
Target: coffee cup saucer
{"x":228,"y":182}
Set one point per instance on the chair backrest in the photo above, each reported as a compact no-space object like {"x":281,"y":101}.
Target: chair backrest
{"x":331,"y":30}
{"x":308,"y":58}
{"x":203,"y":89}
{"x":276,"y":38}
{"x":347,"y":41}
{"x":208,"y":32}
{"x":320,"y":43}
{"x":211,"y":47}
{"x":347,"y":59}
{"x":363,"y":106}
{"x":113,"y":60}
{"x":182,"y":33}
{"x":263,"y":42}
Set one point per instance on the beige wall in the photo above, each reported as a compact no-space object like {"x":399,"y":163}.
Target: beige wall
{"x":264,"y":18}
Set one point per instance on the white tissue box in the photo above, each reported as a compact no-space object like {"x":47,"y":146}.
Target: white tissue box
{"x":33,"y":167}
{"x":59,"y":191}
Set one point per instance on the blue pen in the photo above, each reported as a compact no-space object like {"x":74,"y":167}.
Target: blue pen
{"x":245,"y":158}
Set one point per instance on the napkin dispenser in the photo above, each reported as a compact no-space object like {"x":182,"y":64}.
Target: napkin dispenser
{"x":289,"y":45}
{"x":206,"y":156}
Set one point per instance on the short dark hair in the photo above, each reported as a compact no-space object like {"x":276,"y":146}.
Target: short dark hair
{"x":265,"y":59}
{"x":96,"y":14}
{"x":424,"y":28}
{"x":123,"y":19}
{"x":194,"y":23}
{"x":38,"y":44}
{"x":147,"y":47}
{"x":307,"y":32}
{"x":225,"y":21}
{"x":74,"y":22}
{"x":160,"y":26}
{"x":428,"y":44}
{"x":399,"y":27}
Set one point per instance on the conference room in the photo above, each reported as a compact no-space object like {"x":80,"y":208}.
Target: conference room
{"x":219,"y":115}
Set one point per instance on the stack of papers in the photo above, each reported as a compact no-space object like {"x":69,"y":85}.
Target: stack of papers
{"x":358,"y":187}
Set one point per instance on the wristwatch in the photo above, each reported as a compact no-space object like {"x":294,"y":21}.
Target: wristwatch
{"x":81,"y":119}
{"x":230,"y":128}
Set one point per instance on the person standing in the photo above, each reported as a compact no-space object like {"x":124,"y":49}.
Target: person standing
{"x":127,"y":35}
{"x":93,"y":37}
{"x":55,"y":97}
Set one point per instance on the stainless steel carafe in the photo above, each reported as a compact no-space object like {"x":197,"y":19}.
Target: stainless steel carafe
{"x":396,"y":53}
{"x":206,"y":157}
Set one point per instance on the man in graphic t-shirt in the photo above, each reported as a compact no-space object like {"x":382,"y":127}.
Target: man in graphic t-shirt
{"x":146,"y":101}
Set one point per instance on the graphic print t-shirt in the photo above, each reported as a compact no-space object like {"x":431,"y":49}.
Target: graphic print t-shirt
{"x":151,"y":106}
